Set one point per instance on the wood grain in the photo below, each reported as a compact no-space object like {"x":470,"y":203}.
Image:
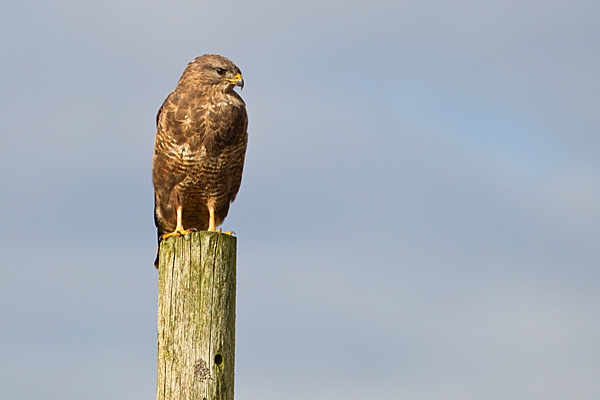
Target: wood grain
{"x":196,"y":317}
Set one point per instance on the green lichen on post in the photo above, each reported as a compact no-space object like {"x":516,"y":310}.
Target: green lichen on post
{"x":196,"y":317}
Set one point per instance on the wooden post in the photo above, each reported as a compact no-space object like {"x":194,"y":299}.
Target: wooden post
{"x":196,"y":317}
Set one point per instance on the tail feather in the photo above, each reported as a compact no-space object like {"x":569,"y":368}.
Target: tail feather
{"x":159,"y":235}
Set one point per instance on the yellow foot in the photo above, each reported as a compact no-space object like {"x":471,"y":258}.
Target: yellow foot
{"x":178,"y":232}
{"x":230,"y":233}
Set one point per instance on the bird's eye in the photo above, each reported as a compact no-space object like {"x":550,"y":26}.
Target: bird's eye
{"x":221,"y":71}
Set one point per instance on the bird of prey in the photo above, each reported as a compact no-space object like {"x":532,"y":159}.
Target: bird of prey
{"x":199,"y":150}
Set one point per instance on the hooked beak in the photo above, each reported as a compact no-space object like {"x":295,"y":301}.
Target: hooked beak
{"x":237,"y":80}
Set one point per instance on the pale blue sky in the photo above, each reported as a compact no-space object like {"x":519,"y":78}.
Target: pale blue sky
{"x":418,"y":216}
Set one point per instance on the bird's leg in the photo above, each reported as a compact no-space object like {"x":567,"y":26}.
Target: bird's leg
{"x":179,"y":229}
{"x":211,"y":223}
{"x":211,"y":220}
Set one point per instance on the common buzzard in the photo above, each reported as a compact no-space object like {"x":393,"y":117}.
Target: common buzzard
{"x":199,"y":148}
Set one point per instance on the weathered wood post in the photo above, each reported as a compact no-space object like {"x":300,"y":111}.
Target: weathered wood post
{"x":196,"y":317}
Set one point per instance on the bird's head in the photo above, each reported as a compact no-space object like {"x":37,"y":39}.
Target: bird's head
{"x":216,"y":70}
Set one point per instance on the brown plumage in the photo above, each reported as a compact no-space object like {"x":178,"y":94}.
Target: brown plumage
{"x":199,"y":149}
